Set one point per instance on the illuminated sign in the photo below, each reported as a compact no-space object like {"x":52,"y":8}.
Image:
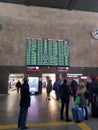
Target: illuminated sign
{"x":73,"y":75}
{"x":32,"y":69}
{"x":47,"y":52}
{"x":33,"y":84}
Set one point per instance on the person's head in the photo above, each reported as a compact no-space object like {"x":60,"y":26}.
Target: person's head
{"x":82,"y":83}
{"x":94,"y":80}
{"x":25,"y":79}
{"x":57,"y":79}
{"x":47,"y":78}
{"x":65,"y":81}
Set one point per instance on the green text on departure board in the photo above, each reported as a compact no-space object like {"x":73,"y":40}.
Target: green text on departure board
{"x":47,"y":52}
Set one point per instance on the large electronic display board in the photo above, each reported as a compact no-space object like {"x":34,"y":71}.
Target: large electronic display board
{"x":47,"y":52}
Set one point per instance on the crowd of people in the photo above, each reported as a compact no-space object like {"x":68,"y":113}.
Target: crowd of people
{"x":85,"y":89}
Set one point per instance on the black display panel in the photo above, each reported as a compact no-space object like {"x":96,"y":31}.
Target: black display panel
{"x":47,"y":52}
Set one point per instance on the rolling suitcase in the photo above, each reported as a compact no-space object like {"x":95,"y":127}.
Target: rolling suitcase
{"x":77,"y":114}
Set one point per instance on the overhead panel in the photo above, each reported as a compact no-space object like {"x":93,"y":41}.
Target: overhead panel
{"x":86,"y":5}
{"x":83,"y":5}
{"x":51,"y":3}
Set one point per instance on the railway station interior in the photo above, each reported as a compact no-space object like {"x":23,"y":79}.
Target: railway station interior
{"x":40,"y":38}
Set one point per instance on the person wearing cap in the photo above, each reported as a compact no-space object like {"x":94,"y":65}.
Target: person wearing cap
{"x":24,"y":104}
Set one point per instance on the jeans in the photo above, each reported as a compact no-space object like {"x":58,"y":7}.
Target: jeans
{"x":22,"y":117}
{"x":86,"y":113}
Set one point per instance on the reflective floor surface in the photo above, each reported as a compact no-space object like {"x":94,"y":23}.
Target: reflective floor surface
{"x":42,"y":115}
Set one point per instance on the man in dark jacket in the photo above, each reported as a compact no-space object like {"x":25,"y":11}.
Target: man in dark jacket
{"x":65,"y":98}
{"x":18,"y":86}
{"x":24,"y":104}
{"x":74,"y":86}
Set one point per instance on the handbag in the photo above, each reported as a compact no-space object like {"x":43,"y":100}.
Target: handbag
{"x":77,"y":101}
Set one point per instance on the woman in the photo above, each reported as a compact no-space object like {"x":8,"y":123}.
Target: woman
{"x":83,"y":102}
{"x":48,"y":88}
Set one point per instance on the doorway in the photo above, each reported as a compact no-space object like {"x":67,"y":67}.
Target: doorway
{"x":13,"y":78}
{"x":52,"y":76}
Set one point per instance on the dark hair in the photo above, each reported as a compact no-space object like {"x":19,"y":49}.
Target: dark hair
{"x":65,"y":81}
{"x":25,"y":79}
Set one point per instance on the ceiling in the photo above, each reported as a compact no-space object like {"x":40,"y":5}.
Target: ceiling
{"x":82,"y":5}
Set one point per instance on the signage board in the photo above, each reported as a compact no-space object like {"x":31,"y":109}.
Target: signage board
{"x":47,"y":52}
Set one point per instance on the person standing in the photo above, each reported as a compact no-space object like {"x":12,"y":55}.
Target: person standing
{"x":83,"y":101}
{"x":74,"y":86}
{"x":48,"y":88}
{"x":65,"y":93}
{"x":56,"y":87}
{"x":24,"y":104}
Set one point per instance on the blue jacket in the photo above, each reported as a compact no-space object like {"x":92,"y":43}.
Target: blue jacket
{"x":56,"y":86}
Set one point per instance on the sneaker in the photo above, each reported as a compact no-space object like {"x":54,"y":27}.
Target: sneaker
{"x":25,"y":128}
{"x":68,"y":120}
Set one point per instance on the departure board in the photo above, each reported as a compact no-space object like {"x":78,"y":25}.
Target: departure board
{"x":47,"y":52}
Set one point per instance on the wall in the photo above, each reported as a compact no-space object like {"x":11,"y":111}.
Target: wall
{"x":19,"y":22}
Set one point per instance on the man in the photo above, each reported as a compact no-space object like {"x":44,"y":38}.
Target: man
{"x":24,"y":104}
{"x":65,"y":98}
{"x":74,"y":86}
{"x":56,"y":87}
{"x":18,"y":86}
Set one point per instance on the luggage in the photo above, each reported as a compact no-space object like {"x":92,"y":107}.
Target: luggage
{"x":94,"y":106}
{"x":77,"y":114}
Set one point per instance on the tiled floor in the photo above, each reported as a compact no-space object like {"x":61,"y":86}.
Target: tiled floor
{"x":43,"y":114}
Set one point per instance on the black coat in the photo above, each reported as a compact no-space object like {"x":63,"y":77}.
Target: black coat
{"x":25,"y":95}
{"x":65,"y":92}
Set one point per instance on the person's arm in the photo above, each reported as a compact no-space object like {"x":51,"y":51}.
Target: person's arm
{"x":81,"y":91}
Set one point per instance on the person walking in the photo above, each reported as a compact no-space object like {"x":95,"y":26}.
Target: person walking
{"x":18,"y":86}
{"x":24,"y":104}
{"x":65,"y":93}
